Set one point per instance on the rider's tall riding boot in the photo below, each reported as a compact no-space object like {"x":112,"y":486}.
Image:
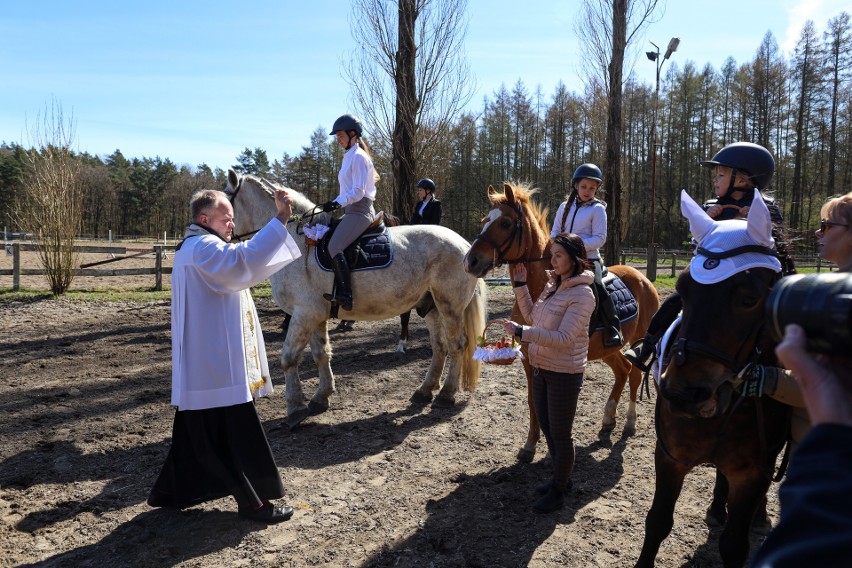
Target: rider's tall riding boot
{"x":612,"y":333}
{"x":342,"y":282}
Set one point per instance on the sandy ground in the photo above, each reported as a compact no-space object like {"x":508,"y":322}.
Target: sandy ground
{"x":376,"y":481}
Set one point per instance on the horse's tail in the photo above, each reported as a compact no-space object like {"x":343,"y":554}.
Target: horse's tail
{"x":474,"y":322}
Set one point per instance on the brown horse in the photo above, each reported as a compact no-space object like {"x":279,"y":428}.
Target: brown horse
{"x":700,"y":417}
{"x":516,"y":231}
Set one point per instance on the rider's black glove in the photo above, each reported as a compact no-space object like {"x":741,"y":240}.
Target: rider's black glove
{"x":329,"y":206}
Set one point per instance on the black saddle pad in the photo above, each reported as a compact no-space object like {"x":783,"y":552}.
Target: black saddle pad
{"x":371,"y":251}
{"x":625,"y":304}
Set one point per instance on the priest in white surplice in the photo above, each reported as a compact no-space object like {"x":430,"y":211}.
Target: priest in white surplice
{"x":219,"y":363}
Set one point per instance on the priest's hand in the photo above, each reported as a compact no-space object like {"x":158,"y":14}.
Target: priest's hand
{"x":283,"y":204}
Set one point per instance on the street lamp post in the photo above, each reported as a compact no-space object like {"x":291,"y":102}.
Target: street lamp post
{"x":652,"y":236}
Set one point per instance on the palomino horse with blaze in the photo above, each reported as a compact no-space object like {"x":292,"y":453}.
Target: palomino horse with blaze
{"x":426,"y":259}
{"x":700,"y":416}
{"x":515,"y":230}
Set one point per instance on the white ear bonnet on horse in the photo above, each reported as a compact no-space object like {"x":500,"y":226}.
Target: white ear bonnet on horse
{"x":721,"y":236}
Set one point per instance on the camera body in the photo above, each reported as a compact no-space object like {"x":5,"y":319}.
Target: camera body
{"x":820,"y":303}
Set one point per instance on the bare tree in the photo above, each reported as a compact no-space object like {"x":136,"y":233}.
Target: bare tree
{"x":408,"y":73}
{"x":608,"y":27}
{"x":51,"y":202}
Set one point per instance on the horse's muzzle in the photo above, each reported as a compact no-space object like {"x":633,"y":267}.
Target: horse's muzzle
{"x":691,"y":402}
{"x":476,"y":265}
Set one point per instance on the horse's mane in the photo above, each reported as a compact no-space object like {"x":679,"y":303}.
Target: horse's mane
{"x":523,"y":193}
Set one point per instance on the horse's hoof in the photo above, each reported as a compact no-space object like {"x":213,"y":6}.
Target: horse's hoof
{"x":761,"y":526}
{"x":297,"y":417}
{"x":607,"y":427}
{"x":715,"y":518}
{"x":442,"y":401}
{"x":525,"y":455}
{"x":420,"y":398}
{"x":630,"y":429}
{"x":315,"y":408}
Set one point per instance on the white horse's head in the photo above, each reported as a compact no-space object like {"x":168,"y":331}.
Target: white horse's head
{"x":253,"y":199}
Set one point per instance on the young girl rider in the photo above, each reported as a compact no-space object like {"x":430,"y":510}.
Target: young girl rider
{"x":738,"y":169}
{"x":585,"y":215}
{"x":357,"y":179}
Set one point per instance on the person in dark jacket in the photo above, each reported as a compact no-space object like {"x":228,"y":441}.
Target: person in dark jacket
{"x":815,"y":528}
{"x":427,"y":211}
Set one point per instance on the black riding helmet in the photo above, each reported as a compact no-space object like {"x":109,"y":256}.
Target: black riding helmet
{"x":427,"y":184}
{"x":589,"y":171}
{"x":753,"y":160}
{"x":348,"y":123}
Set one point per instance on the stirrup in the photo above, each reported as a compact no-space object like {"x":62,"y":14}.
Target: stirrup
{"x":613,"y":337}
{"x":636,"y":355}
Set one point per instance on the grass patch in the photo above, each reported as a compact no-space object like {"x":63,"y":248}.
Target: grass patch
{"x":106,"y":294}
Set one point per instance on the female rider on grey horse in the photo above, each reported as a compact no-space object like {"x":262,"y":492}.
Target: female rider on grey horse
{"x":357,"y":179}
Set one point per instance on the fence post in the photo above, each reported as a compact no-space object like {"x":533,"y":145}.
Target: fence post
{"x":651,"y":268}
{"x":674,"y":263}
{"x":16,"y":266}
{"x":158,"y":267}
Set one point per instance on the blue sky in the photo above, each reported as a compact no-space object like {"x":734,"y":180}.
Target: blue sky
{"x":200,"y":80}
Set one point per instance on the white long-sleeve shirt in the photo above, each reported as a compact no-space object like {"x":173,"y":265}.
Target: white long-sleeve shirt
{"x":211,"y":308}
{"x":356,"y":177}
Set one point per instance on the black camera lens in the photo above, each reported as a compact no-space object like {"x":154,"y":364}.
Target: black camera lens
{"x":820,"y":303}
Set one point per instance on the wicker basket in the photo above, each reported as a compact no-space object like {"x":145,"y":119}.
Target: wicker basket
{"x":501,"y":351}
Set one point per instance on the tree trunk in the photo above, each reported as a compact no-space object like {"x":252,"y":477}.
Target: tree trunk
{"x":612,"y":162}
{"x":403,"y":160}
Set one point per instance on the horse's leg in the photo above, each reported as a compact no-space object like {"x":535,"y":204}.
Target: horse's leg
{"x":423,"y":394}
{"x":403,"y":332}
{"x":744,"y":496}
{"x":527,"y":452}
{"x":717,"y":513}
{"x":620,"y":369}
{"x":660,"y":518}
{"x":321,"y":353}
{"x":298,"y":334}
{"x":634,"y":378}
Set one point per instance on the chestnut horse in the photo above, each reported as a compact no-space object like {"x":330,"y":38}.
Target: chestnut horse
{"x":700,"y":417}
{"x":515,"y":230}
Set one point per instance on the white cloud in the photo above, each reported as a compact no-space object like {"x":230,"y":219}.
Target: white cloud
{"x":820,"y":11}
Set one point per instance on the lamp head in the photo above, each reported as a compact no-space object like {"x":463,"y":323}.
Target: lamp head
{"x":675,"y":41}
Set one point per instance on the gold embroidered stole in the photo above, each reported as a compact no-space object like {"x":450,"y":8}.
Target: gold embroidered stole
{"x":254,"y":376}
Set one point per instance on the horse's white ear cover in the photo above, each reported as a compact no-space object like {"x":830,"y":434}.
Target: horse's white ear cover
{"x":760,"y":221}
{"x":720,"y":236}
{"x":700,"y":222}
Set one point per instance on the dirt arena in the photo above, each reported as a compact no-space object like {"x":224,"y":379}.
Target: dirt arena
{"x":376,"y":481}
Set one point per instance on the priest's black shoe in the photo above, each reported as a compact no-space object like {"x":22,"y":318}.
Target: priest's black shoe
{"x":269,"y":513}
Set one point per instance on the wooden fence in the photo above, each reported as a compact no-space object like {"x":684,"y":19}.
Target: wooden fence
{"x":116,"y":254}
{"x":670,"y":261}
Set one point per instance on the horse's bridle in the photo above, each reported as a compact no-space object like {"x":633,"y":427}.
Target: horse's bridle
{"x":738,"y":364}
{"x":501,"y":249}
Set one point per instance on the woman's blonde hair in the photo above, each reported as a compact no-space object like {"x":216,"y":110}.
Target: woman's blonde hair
{"x":838,"y":209}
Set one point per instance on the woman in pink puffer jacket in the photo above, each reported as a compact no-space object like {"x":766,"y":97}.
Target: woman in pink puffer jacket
{"x":558,"y":347}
